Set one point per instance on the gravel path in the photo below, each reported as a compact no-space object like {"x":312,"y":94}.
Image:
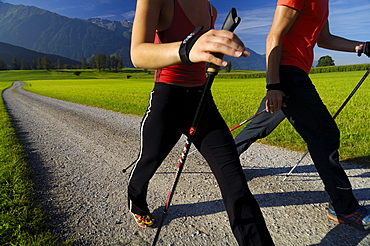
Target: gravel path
{"x":77,"y":154}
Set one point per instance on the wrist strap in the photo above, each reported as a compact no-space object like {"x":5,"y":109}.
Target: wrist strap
{"x":277,"y":86}
{"x":187,"y":44}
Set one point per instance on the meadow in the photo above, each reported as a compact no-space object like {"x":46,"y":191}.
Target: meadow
{"x":23,"y":223}
{"x":237,"y":100}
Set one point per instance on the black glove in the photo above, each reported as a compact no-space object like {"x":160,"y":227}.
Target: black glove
{"x":365,"y":48}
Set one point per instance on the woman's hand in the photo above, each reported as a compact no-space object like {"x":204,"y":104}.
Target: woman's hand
{"x":217,"y":41}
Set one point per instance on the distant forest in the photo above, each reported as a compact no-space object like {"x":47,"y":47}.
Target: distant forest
{"x":100,"y":62}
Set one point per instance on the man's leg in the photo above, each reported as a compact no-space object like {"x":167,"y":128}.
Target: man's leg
{"x":258,"y":128}
{"x":314,"y":123}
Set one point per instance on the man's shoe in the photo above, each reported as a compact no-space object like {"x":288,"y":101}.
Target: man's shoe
{"x":144,"y":220}
{"x":359,"y":218}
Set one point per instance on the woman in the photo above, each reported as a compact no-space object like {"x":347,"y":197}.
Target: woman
{"x":159,"y":28}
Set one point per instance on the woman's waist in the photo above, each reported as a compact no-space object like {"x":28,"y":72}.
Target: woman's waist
{"x":189,"y":76}
{"x":182,"y":84}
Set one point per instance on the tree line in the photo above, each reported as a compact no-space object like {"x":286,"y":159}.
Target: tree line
{"x":100,"y":62}
{"x":103,"y":62}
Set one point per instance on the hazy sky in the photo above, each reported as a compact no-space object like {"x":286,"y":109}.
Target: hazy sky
{"x":348,"y":18}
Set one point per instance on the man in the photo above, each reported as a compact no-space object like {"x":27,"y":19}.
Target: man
{"x":297,"y":26}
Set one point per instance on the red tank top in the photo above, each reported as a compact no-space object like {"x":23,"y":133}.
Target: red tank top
{"x":179,"y":29}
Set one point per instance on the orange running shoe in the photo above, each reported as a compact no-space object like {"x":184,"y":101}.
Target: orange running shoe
{"x":144,"y":220}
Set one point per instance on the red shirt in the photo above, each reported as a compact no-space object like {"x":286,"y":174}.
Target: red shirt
{"x":180,"y":28}
{"x":300,"y":40}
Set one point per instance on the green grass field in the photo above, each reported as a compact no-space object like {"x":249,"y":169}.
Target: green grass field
{"x":23,"y":223}
{"x":237,"y":100}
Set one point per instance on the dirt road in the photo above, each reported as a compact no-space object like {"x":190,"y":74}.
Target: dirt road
{"x":77,"y":154}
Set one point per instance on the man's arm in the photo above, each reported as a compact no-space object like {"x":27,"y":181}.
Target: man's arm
{"x":332,"y":42}
{"x":283,"y":20}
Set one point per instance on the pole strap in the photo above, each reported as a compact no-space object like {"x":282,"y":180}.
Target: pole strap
{"x":187,"y":44}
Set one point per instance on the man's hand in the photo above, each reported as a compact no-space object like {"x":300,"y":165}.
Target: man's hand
{"x":274,"y":100}
{"x":363,"y":48}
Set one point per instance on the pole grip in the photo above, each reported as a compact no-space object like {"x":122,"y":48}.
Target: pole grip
{"x":230,"y":23}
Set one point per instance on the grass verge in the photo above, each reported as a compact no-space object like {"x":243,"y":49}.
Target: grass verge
{"x":21,"y":221}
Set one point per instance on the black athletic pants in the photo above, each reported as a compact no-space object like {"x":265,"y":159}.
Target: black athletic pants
{"x":169,"y":115}
{"x":310,"y":117}
{"x":258,"y":128}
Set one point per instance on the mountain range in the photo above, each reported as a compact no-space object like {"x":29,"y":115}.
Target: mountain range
{"x":8,"y":52}
{"x":49,"y":33}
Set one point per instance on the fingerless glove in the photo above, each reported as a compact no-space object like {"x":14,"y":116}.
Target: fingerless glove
{"x":365,"y":48}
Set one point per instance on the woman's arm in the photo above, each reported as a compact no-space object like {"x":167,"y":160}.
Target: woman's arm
{"x":144,"y":53}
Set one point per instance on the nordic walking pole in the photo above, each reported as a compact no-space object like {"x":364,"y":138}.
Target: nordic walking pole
{"x":299,"y":161}
{"x":352,"y":93}
{"x":125,"y":169}
{"x":335,"y":115}
{"x":231,"y":129}
{"x":240,"y":124}
{"x":230,"y":24}
{"x":254,"y":116}
{"x":249,"y":119}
